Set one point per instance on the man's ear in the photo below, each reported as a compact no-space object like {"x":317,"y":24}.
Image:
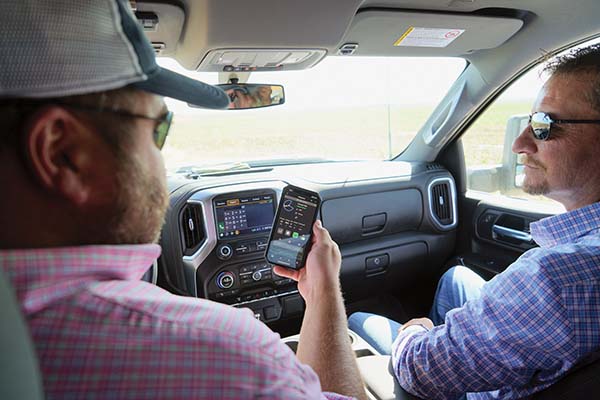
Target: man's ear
{"x":60,"y":153}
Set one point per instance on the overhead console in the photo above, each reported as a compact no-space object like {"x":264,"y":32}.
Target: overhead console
{"x":260,"y":60}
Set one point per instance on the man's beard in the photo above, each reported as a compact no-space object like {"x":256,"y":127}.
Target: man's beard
{"x":140,"y":206}
{"x":539,"y":188}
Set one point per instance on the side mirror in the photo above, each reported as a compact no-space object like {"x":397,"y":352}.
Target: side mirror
{"x":508,"y":176}
{"x":253,"y":95}
{"x":513,"y":169}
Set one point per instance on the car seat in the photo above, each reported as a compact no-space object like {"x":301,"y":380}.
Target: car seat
{"x":20,"y":377}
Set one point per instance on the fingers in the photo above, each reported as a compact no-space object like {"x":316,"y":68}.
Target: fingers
{"x":285,"y":272}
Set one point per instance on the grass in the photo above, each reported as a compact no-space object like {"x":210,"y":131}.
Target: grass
{"x":483,"y":143}
{"x":359,"y":133}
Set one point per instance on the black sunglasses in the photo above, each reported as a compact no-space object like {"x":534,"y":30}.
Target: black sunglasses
{"x":541,"y":123}
{"x":161,"y":129}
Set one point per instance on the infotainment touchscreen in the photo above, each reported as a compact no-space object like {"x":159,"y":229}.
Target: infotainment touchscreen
{"x":238,"y":216}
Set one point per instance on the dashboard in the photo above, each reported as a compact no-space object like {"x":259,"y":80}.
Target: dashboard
{"x":237,"y":226}
{"x":390,"y":220}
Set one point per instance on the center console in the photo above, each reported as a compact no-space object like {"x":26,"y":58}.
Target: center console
{"x":230,"y":267}
{"x":243,"y":222}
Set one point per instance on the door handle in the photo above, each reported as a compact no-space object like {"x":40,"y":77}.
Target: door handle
{"x":373,"y":223}
{"x":512,"y":233}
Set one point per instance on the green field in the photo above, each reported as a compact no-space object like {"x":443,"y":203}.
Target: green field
{"x":484,"y":141}
{"x":356,"y":133}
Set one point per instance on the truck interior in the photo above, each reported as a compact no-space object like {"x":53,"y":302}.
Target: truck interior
{"x":406,"y":190}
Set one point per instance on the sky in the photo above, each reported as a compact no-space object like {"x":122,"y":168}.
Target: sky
{"x":351,"y":82}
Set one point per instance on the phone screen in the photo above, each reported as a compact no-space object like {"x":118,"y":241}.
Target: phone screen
{"x":292,"y":230}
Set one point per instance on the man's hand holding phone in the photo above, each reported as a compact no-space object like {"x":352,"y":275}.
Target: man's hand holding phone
{"x":320,"y":277}
{"x":324,"y":343}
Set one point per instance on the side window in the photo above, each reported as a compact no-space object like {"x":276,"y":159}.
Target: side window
{"x":492,"y":168}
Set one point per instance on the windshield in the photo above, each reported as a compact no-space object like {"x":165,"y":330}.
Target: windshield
{"x":345,"y":108}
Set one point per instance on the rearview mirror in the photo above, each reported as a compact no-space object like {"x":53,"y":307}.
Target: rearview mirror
{"x":253,"y":95}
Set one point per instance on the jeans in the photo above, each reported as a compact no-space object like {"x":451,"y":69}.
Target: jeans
{"x":455,"y":287}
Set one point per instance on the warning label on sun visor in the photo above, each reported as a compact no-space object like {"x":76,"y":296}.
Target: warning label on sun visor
{"x":428,"y":37}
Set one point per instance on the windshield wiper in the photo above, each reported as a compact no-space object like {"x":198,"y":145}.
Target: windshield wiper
{"x":194,"y":172}
{"x":286,"y":161}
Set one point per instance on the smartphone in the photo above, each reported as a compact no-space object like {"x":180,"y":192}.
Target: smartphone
{"x":291,"y":234}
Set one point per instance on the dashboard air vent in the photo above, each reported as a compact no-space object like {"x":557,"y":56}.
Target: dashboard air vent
{"x":192,"y":228}
{"x":442,"y":201}
{"x":433,"y":166}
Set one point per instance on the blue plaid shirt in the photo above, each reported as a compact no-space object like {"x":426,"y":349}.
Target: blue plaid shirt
{"x":532,"y":323}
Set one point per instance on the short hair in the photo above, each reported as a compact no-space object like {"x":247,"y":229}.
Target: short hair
{"x":576,"y":61}
{"x":14,"y":112}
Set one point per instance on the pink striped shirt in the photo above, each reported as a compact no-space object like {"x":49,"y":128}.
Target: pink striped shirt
{"x":100,"y":332}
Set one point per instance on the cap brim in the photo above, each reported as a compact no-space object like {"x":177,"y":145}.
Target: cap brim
{"x":171,"y":84}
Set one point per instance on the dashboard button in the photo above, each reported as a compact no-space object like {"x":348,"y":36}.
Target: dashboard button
{"x":377,"y":262}
{"x":257,"y":276}
{"x":246,"y":268}
{"x":224,"y":252}
{"x":225,"y":280}
{"x":242,"y":249}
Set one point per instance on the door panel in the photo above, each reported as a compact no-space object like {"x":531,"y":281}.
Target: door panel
{"x":497,"y":235}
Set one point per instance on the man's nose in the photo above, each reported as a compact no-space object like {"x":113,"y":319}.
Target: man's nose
{"x":524,"y":143}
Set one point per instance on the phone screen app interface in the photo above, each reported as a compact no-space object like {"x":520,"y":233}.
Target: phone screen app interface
{"x":292,"y":230}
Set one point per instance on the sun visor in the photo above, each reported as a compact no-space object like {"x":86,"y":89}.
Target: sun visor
{"x":390,"y":32}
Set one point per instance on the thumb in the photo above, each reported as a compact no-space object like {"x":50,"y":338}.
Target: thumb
{"x":285,"y":272}
{"x":318,"y":230}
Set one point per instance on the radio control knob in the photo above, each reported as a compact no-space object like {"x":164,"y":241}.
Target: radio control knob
{"x":225,"y":280}
{"x":224,"y":252}
{"x":257,"y":276}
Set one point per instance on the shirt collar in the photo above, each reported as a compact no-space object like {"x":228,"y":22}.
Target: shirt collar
{"x":41,"y":276}
{"x":566,"y":227}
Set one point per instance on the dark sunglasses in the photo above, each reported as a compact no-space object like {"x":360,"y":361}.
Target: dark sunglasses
{"x":541,"y":123}
{"x":161,"y":129}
